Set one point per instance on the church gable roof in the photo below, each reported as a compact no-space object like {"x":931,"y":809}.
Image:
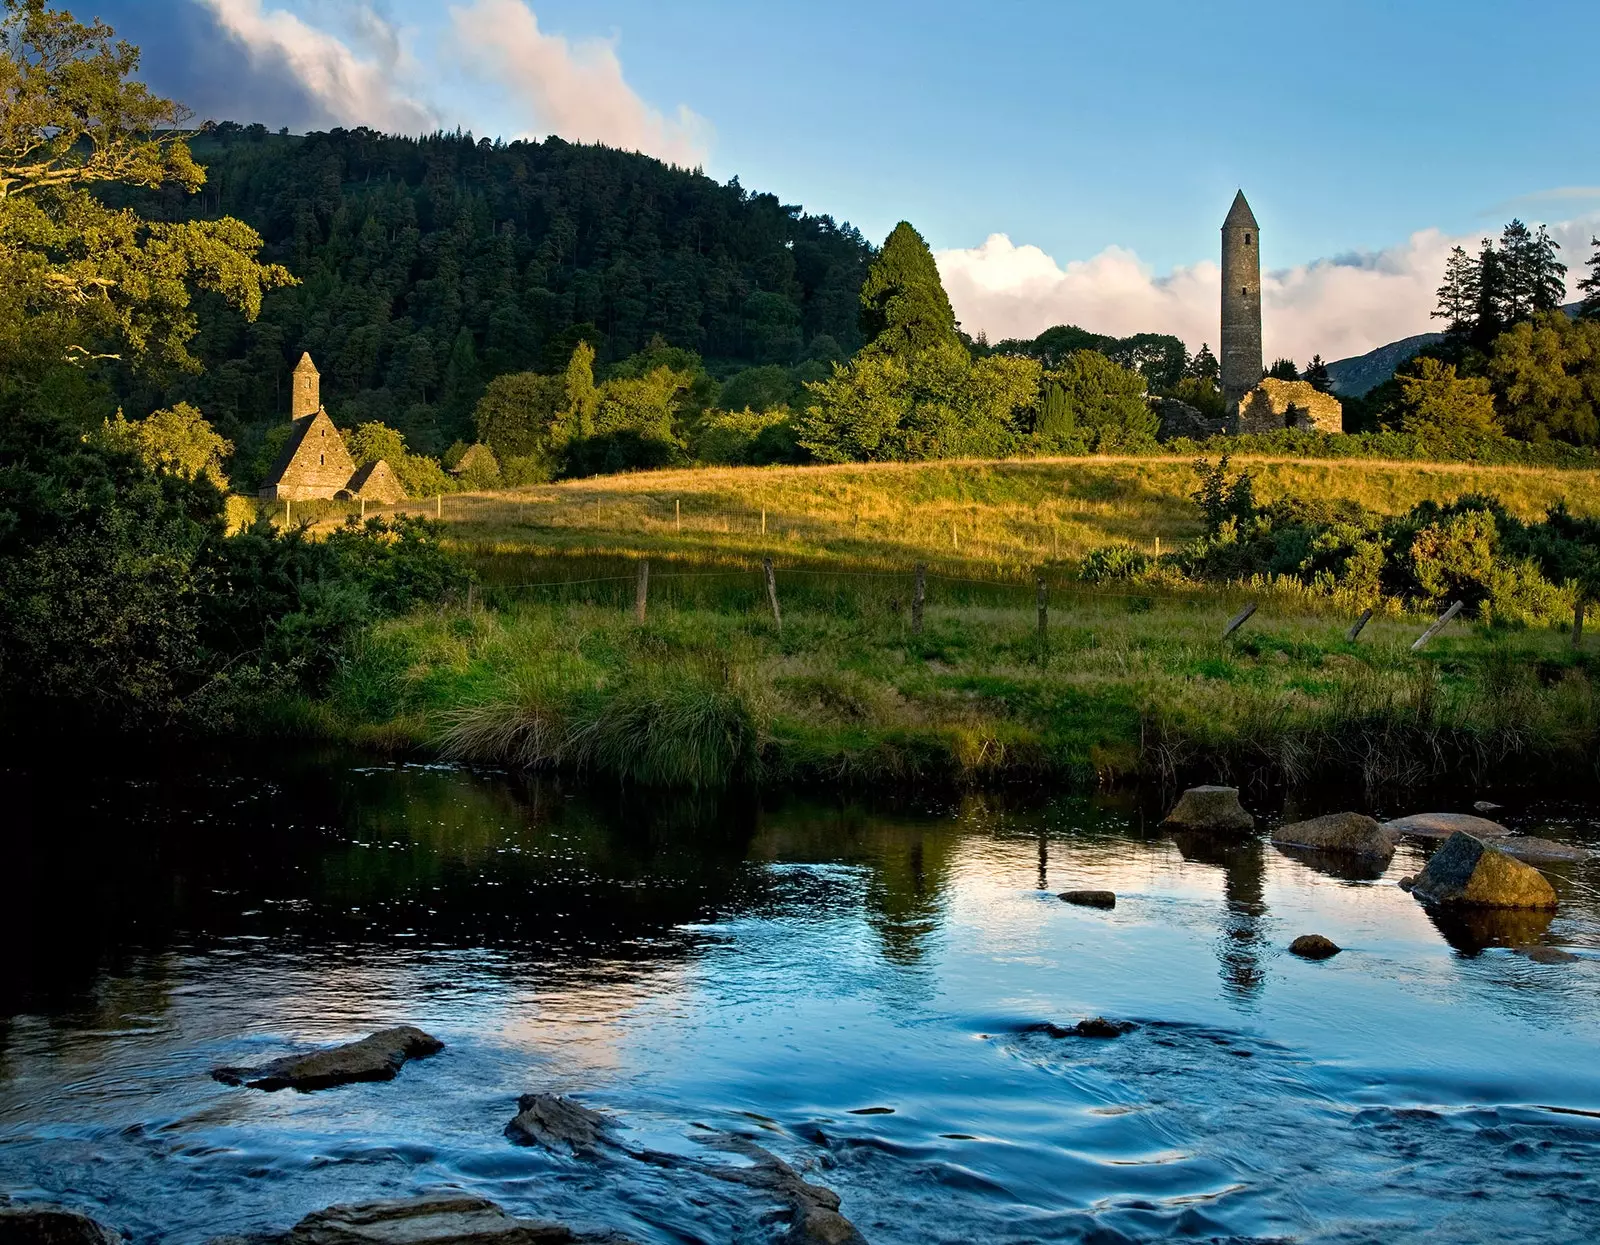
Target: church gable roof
{"x":376,"y":482}
{"x":1239,"y":215}
{"x":314,"y":457}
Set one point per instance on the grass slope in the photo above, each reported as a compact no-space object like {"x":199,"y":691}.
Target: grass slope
{"x":709,"y":689}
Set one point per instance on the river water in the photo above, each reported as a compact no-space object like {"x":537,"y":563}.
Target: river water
{"x":857,"y":987}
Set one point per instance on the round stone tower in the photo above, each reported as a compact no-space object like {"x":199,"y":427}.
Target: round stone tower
{"x":1241,"y":302}
{"x":305,"y":398}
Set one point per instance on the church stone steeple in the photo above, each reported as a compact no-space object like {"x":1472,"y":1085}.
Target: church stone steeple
{"x":1241,"y":302}
{"x":306,"y":398}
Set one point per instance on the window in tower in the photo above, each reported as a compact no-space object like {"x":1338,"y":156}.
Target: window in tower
{"x":1247,"y":239}
{"x":322,"y":460}
{"x":1244,"y":293}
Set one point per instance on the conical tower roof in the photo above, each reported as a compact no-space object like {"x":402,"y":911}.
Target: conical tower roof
{"x":306,"y":365}
{"x":1239,"y":215}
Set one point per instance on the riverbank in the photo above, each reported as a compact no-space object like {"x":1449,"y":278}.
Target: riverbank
{"x":709,"y":691}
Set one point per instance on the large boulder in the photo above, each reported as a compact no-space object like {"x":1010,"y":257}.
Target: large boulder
{"x":375,"y":1058}
{"x":1443,"y":825}
{"x":449,"y":1219}
{"x":1089,"y":899}
{"x":1314,"y":947}
{"x":1338,"y":832}
{"x":1469,"y":871}
{"x":52,"y":1225}
{"x":1210,"y":808}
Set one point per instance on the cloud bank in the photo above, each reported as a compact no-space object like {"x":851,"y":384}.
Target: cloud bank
{"x":1333,"y":307}
{"x":575,"y":90}
{"x":342,"y":86}
{"x":348,"y":64}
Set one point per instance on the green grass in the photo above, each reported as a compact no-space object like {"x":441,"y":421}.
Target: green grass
{"x":552,"y":671}
{"x":709,"y":694}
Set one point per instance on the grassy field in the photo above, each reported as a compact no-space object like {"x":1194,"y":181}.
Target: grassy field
{"x":997,"y":519}
{"x":559,"y":673}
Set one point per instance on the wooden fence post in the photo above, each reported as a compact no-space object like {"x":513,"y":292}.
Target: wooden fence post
{"x":1239,"y":620}
{"x":917,"y":598}
{"x":677,"y":514}
{"x":772,"y":591}
{"x":286,"y":505}
{"x":1437,"y":627}
{"x":1577,"y":621}
{"x":438,"y":505}
{"x":763,"y":520}
{"x":641,"y":591}
{"x":1042,"y":598}
{"x":1355,"y":627}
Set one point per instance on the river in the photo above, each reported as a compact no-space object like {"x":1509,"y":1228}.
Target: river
{"x":859,"y":986}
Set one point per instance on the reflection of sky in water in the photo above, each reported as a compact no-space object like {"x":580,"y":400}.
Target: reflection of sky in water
{"x":776,"y":970}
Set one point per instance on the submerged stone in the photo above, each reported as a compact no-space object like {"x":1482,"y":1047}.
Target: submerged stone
{"x":375,"y":1058}
{"x":451,"y":1219}
{"x":1315,"y":946}
{"x":1548,"y":955}
{"x":1443,"y":825}
{"x":1469,"y":871}
{"x":1089,"y":899}
{"x":1210,"y":808}
{"x":1542,"y":851}
{"x":52,"y":1225}
{"x":1353,"y":833}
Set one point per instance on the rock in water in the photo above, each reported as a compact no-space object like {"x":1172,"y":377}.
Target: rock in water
{"x":1100,"y":1027}
{"x":1339,"y":832}
{"x":1469,"y":871}
{"x":1210,"y":808}
{"x":1408,"y":883}
{"x":1315,"y":946}
{"x":1548,"y":955}
{"x":1089,"y":899}
{"x":1542,"y":851}
{"x":550,"y":1120}
{"x":447,"y":1220}
{"x":1443,"y":825}
{"x":375,"y":1058}
{"x":51,"y":1225}
{"x":1485,"y":807}
{"x":815,"y":1217}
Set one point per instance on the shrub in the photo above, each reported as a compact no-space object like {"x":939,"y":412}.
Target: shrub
{"x":1113,"y":562}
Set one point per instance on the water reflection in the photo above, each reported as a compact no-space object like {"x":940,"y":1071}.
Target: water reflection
{"x":772,"y":965}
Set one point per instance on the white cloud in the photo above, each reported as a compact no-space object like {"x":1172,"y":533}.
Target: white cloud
{"x":346,"y":88}
{"x":1332,"y":307}
{"x":575,"y":90}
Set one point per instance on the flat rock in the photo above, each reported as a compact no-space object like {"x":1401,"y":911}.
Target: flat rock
{"x":1093,"y":1027}
{"x":375,"y":1058}
{"x":1355,"y":833}
{"x":1469,"y":871}
{"x":1443,"y":825}
{"x":52,"y":1225}
{"x":1315,"y":946}
{"x":550,"y":1120}
{"x":815,"y":1217}
{"x":1486,"y":807}
{"x":1542,"y":851}
{"x":1089,"y":899}
{"x":450,"y":1219}
{"x":1210,"y":808}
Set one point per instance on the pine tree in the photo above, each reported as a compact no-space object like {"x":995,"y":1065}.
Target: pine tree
{"x":1517,"y":264}
{"x":1203,"y":364}
{"x":1548,"y":276}
{"x":1317,"y":374}
{"x":1458,"y":296}
{"x":1284,"y":369}
{"x":1489,"y":315}
{"x":1590,"y":285}
{"x":904,"y":309}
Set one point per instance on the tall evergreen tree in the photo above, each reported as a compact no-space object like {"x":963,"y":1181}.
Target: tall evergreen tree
{"x":904,"y":309}
{"x":1317,"y":373}
{"x":1283,"y":369}
{"x":1548,"y":275}
{"x":1489,"y":316}
{"x":1535,"y":280}
{"x":1590,"y":285}
{"x":1203,"y":364}
{"x":1458,"y":296}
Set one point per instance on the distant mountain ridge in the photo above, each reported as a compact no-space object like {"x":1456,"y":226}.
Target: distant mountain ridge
{"x":1359,"y":375}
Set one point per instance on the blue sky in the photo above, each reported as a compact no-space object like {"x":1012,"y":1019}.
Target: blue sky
{"x":1086,"y":131}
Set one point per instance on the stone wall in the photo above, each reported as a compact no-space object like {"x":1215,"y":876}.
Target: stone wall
{"x":1277,"y":404}
{"x":1179,"y":419}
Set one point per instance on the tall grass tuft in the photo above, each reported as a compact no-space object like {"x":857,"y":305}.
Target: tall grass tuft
{"x":666,"y":728}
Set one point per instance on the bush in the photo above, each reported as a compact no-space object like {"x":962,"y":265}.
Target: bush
{"x":1114,"y":562}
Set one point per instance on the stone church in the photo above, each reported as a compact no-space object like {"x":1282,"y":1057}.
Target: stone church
{"x":315,"y":462}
